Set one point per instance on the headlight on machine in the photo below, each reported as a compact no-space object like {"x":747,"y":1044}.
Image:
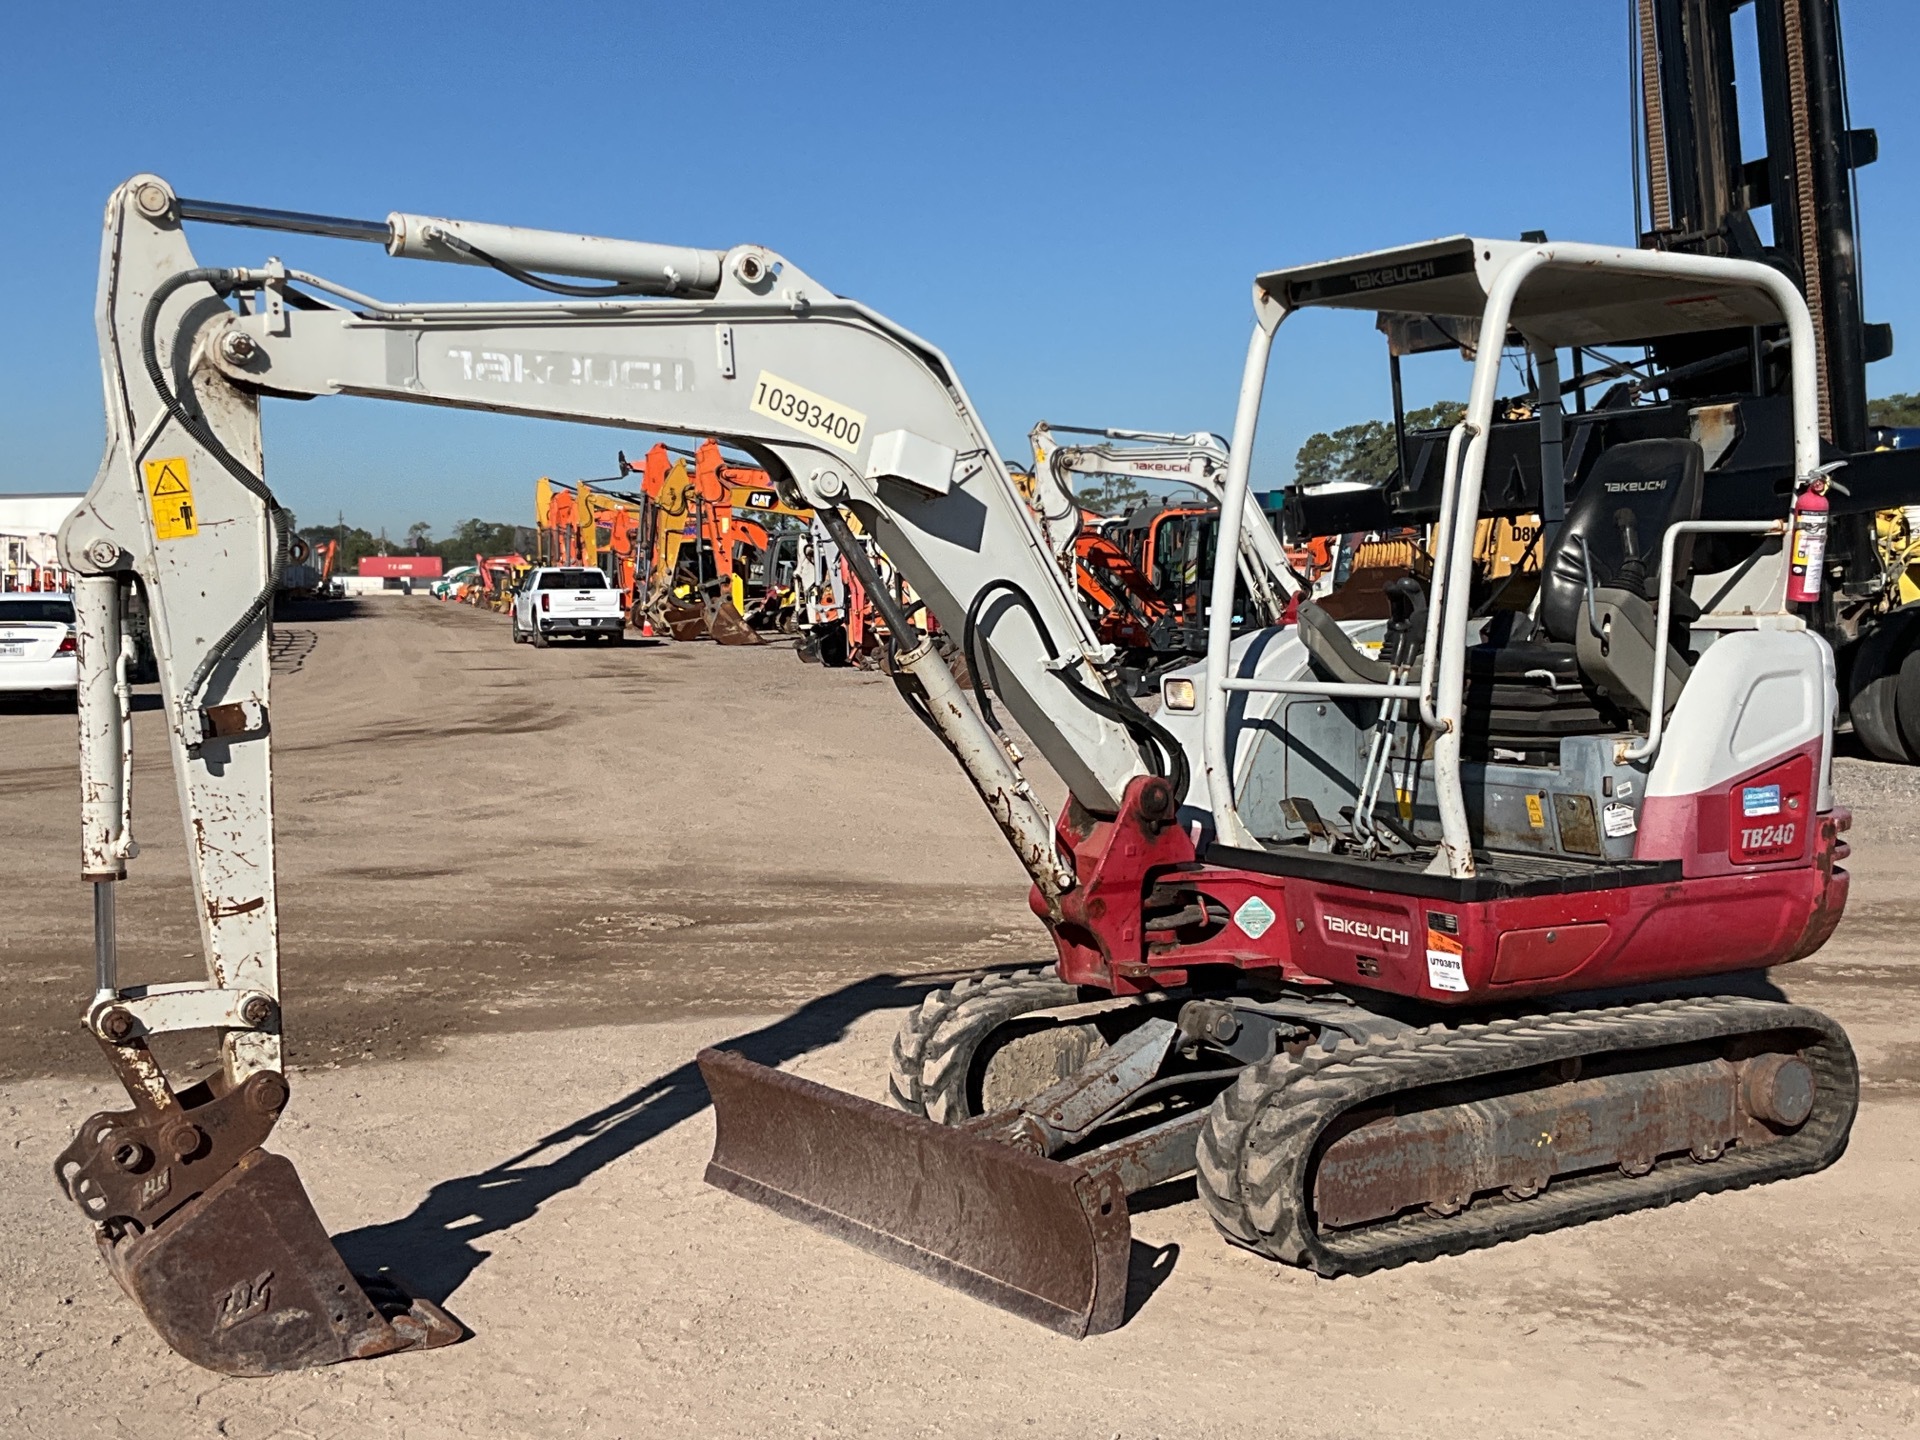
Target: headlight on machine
{"x":1178,"y":694}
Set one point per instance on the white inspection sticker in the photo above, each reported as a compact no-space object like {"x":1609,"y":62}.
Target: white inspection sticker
{"x":1446,"y":970}
{"x":807,"y":412}
{"x":1446,"y":955}
{"x":1618,"y":820}
{"x":1255,"y":916}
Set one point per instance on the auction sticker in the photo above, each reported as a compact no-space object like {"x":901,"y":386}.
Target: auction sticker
{"x":815,"y":415}
{"x":1446,"y":956}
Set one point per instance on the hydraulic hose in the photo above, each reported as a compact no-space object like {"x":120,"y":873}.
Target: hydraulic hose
{"x":1164,"y":754}
{"x":538,"y":282}
{"x":223,"y":283}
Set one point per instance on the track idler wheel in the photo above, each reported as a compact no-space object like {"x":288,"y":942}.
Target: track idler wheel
{"x":963,"y":1051}
{"x":216,"y":1241}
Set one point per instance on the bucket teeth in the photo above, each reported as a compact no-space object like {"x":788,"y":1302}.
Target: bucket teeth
{"x":1046,"y":1240}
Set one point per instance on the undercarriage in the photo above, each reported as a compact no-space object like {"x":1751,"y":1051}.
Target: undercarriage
{"x":1321,"y":1131}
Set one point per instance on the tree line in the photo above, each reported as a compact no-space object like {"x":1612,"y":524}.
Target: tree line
{"x":470,"y":537}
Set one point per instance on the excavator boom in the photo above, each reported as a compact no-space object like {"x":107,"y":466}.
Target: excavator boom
{"x":845,"y":408}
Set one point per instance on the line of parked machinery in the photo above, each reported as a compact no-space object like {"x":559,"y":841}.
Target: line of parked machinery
{"x":704,"y":547}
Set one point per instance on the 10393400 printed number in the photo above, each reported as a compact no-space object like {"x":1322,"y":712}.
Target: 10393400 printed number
{"x":839,"y":425}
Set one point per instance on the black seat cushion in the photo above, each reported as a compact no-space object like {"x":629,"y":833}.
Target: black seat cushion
{"x":1653,"y":483}
{"x":1518,"y":658}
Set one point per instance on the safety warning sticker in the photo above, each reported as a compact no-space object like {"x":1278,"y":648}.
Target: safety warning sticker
{"x":1618,"y":820}
{"x":170,"y":497}
{"x":1255,"y":916}
{"x":1536,"y":813}
{"x":1446,"y":957}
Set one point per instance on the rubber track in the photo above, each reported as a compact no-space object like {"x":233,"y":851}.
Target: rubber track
{"x":936,"y":1043}
{"x":1255,"y":1151}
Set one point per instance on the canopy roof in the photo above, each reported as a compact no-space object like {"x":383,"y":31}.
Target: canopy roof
{"x":1576,"y":305}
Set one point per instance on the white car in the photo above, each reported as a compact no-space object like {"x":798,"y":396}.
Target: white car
{"x":37,"y":650}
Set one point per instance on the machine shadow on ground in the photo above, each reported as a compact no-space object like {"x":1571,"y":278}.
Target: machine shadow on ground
{"x":435,"y":1248}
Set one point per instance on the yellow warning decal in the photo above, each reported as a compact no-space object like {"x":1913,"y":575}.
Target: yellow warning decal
{"x":170,"y":496}
{"x":1536,"y":814}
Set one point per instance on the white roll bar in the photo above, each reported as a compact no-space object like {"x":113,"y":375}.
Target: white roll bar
{"x":1443,"y":669}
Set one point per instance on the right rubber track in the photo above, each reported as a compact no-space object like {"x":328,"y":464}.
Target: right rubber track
{"x":1256,"y":1152}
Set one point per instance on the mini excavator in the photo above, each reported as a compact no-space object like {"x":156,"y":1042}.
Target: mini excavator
{"x":1406,"y":929}
{"x":1404,"y":935}
{"x":1141,"y":576}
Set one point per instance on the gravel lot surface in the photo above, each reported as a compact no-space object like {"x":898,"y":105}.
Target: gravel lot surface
{"x":521,"y":888}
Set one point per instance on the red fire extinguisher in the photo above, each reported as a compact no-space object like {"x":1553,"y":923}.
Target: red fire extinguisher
{"x":1807,"y":534}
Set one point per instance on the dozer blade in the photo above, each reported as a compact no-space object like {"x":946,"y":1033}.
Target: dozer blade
{"x":1048,"y":1241}
{"x":243,"y":1280}
{"x":728,"y":627}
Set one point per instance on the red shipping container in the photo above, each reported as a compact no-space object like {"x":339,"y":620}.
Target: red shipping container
{"x":393,"y":567}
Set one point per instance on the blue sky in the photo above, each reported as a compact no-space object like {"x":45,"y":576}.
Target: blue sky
{"x":1070,"y":199}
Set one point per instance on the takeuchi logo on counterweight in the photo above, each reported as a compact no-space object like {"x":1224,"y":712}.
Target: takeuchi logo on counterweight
{"x":1366,"y":930}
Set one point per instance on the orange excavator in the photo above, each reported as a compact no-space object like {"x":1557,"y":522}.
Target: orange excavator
{"x":706,"y":537}
{"x":492,"y":580}
{"x":587,"y":526}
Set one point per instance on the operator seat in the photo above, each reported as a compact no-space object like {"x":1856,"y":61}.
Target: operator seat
{"x":1599,"y":588}
{"x":1579,"y":666}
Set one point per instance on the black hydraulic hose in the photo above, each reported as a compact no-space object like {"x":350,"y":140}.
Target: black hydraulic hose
{"x":539,"y":282}
{"x":902,"y":629}
{"x":223,"y":283}
{"x":1165,"y":756}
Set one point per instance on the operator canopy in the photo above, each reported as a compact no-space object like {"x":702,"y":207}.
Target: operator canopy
{"x":1450,"y":280}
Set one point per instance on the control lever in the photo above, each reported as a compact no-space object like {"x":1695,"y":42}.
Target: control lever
{"x":1406,"y":598}
{"x":1633,"y":569}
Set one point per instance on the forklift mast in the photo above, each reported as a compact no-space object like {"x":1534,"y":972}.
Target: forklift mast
{"x":1703,"y":195}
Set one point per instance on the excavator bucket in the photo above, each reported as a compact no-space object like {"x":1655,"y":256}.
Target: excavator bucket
{"x":1048,"y":1241}
{"x":685,"y":622}
{"x":727,"y":627}
{"x":244,"y":1281}
{"x":216,"y":1241}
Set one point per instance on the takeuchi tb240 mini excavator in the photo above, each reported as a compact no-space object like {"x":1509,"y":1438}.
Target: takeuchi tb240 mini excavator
{"x":1404,"y":935}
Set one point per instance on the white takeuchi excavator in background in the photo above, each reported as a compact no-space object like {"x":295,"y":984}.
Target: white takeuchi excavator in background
{"x":1360,"y":930}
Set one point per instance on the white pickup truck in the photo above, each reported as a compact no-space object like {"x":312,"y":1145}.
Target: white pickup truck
{"x":567,"y":600}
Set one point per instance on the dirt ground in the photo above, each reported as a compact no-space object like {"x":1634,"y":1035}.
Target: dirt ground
{"x":521,"y":888}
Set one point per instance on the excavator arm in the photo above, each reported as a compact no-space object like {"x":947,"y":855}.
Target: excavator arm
{"x":849,"y":412}
{"x":1199,"y":460}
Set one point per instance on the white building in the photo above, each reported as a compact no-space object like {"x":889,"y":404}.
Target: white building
{"x":29,"y":554}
